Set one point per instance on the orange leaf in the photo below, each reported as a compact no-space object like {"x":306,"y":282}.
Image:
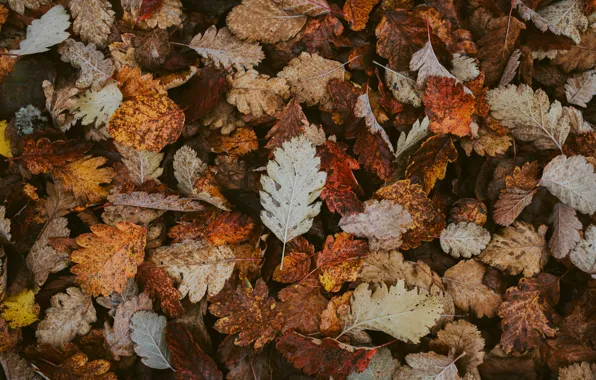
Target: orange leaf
{"x":132,"y":83}
{"x":160,"y":287}
{"x":356,"y":12}
{"x":109,"y":257}
{"x":429,"y":163}
{"x":84,"y":177}
{"x":42,"y":155}
{"x":290,"y":123}
{"x":341,"y":260}
{"x":296,"y":266}
{"x":230,"y":228}
{"x":240,"y":142}
{"x":321,"y":33}
{"x":449,"y":107}
{"x":374,"y":154}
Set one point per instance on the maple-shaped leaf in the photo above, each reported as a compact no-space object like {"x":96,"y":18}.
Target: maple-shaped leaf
{"x":321,"y":35}
{"x":84,"y":178}
{"x":141,"y":165}
{"x":579,"y":57}
{"x":429,"y":365}
{"x":292,"y":183}
{"x":118,"y":335}
{"x":461,"y":337}
{"x":133,"y":83}
{"x":44,"y":259}
{"x":580,"y":88}
{"x":464,"y":239}
{"x":429,"y":163}
{"x":374,"y":153}
{"x":519,"y":248}
{"x":224,"y":50}
{"x":520,"y":188}
{"x":341,"y":189}
{"x":301,"y":306}
{"x":525,"y":320}
{"x":150,"y":341}
{"x":230,"y":228}
{"x":530,"y":115}
{"x":356,"y":12}
{"x":147,"y":122}
{"x":324,"y":357}
{"x":187,"y":358}
{"x":96,"y":107}
{"x":464,"y":281}
{"x":573,"y":181}
{"x":257,"y":94}
{"x":42,"y":155}
{"x":109,"y":257}
{"x":160,"y":287}
{"x":583,"y":255}
{"x":20,"y":309}
{"x":399,"y":36}
{"x":382,"y":222}
{"x":196,"y":266}
{"x":406,"y":315}
{"x":291,"y":122}
{"x":247,"y":311}
{"x":566,"y":230}
{"x":308,"y":75}
{"x":265,"y":21}
{"x":448,"y":106}
{"x":363,"y":109}
{"x":45,"y":32}
{"x":92,"y":20}
{"x":496,"y":46}
{"x":70,"y":314}
{"x":578,"y":371}
{"x":96,"y":70}
{"x":340,"y":261}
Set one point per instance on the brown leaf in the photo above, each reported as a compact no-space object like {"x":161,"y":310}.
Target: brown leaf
{"x":291,"y":122}
{"x":250,"y":312}
{"x":526,"y":310}
{"x":580,"y":57}
{"x":109,"y":257}
{"x":296,"y":267}
{"x":356,"y":12}
{"x":238,"y":143}
{"x":152,"y":49}
{"x":301,"y":306}
{"x":331,"y":325}
{"x":340,"y":260}
{"x":42,"y":155}
{"x":400,"y":35}
{"x":429,"y":163}
{"x":469,"y":210}
{"x":160,"y":287}
{"x":518,"y":193}
{"x":566,"y":230}
{"x":147,"y":122}
{"x":448,"y":106}
{"x":117,"y":336}
{"x":132,"y":83}
{"x":230,"y":228}
{"x":461,"y":337}
{"x":320,"y":35}
{"x":374,"y":154}
{"x":203,"y":93}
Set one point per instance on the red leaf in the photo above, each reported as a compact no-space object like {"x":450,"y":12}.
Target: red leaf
{"x":203,"y":93}
{"x":148,"y":8}
{"x":345,"y":96}
{"x":374,"y":154}
{"x":41,"y":156}
{"x":321,"y":33}
{"x":160,"y":287}
{"x":290,"y":123}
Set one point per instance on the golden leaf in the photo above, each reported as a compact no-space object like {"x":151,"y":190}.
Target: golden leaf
{"x":20,"y":309}
{"x":84,"y":177}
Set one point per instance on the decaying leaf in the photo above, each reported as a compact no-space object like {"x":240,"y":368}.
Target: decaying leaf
{"x":117,"y":336}
{"x":449,"y":107}
{"x":578,"y":371}
{"x":95,"y":69}
{"x":399,"y":35}
{"x":44,"y":33}
{"x":357,"y":11}
{"x":520,"y":188}
{"x":429,"y":163}
{"x":84,"y":178}
{"x":583,"y":255}
{"x":257,"y":94}
{"x":381,"y":367}
{"x":566,"y":228}
{"x":159,"y":286}
{"x":92,"y":20}
{"x":141,"y":165}
{"x":418,"y":132}
{"x":567,"y":16}
{"x":44,"y":259}
{"x":464,"y":239}
{"x":301,"y":307}
{"x":20,"y":309}
{"x":427,"y":64}
{"x":461,"y":337}
{"x":340,"y":260}
{"x":581,"y":88}
{"x":429,"y":365}
{"x":363,"y":109}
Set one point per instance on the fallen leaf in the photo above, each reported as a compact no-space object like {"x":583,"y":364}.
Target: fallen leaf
{"x":152,"y":49}
{"x":519,"y":190}
{"x":429,"y":365}
{"x":580,"y":88}
{"x":92,"y":20}
{"x":117,"y":336}
{"x":95,"y":70}
{"x":301,"y":307}
{"x":45,"y":32}
{"x":381,"y":367}
{"x":566,"y":230}
{"x":96,"y":107}
{"x":429,"y":163}
{"x":44,"y":259}
{"x":464,"y":239}
{"x":291,"y":122}
{"x":150,"y":339}
{"x":461,"y":337}
{"x":399,"y":35}
{"x":363,"y":109}
{"x":579,"y":57}
{"x":583,"y":255}
{"x":567,"y":16}
{"x":84,"y":178}
{"x":230,"y":228}
{"x":42,"y":155}
{"x":204,"y":93}
{"x":141,"y":165}
{"x":160,"y":287}
{"x":374,"y":154}
{"x":241,"y":141}
{"x":321,"y":35}
{"x":578,"y":371}
{"x":15,"y":367}
{"x":169,"y":14}
{"x":133,"y":83}
{"x":448,"y":106}
{"x":257,"y":94}
{"x":356,"y":12}
{"x":20,"y":309}
{"x":340,"y":261}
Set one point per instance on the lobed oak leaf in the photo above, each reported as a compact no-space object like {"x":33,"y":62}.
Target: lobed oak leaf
{"x":464,"y":282}
{"x":224,"y":50}
{"x":257,"y":94}
{"x":95,"y":70}
{"x":45,"y":32}
{"x":96,"y":107}
{"x":406,"y":315}
{"x":381,"y":367}
{"x":399,"y":36}
{"x":44,"y":259}
{"x":92,"y":20}
{"x":247,"y":311}
{"x":69,"y":315}
{"x":160,"y":287}
{"x":265,"y":21}
{"x":301,"y":307}
{"x":340,"y":261}
{"x":141,"y":165}
{"x":150,"y":341}
{"x":428,"y":365}
{"x":117,"y":336}
{"x":448,"y":106}
{"x":20,"y":309}
{"x":573,"y":181}
{"x":566,"y":230}
{"x":132,"y":83}
{"x":374,"y":153}
{"x":429,"y":163}
{"x":580,"y":88}
{"x":583,"y":255}
{"x":579,"y":57}
{"x":84,"y":177}
{"x":525,"y":320}
{"x":356,"y":12}
{"x":108,"y":257}
{"x":196,"y":266}
{"x":461,"y":338}
{"x":147,"y":122}
{"x":324,"y":357}
{"x":230,"y":228}
{"x":42,"y":155}
{"x":519,"y":190}
{"x":464,"y":239}
{"x":190,"y":362}
{"x":308,"y":76}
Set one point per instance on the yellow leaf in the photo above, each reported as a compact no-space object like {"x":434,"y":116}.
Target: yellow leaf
{"x":20,"y":309}
{"x":83,"y":177}
{"x":4,"y":140}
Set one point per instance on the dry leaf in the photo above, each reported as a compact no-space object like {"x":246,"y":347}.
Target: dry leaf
{"x":44,"y":259}
{"x":92,"y":20}
{"x":519,"y":190}
{"x":403,"y":87}
{"x":20,"y":309}
{"x":117,"y":336}
{"x":45,"y":32}
{"x":58,"y":101}
{"x":141,"y":165}
{"x":464,"y":239}
{"x":566,"y":229}
{"x":580,"y":88}
{"x":427,"y":64}
{"x":580,"y":57}
{"x":20,"y":5}
{"x":429,"y":365}
{"x":169,"y":14}
{"x":429,"y":163}
{"x":448,"y":106}
{"x":301,"y":307}
{"x":578,"y":371}
{"x":95,"y":69}
{"x":399,"y":35}
{"x":160,"y":287}
{"x":96,"y":107}
{"x":363,"y":109}
{"x":257,"y":94}
{"x":567,"y":16}
{"x":461,"y":337}
{"x":381,"y":367}
{"x":132,"y":83}
{"x":583,"y":256}
{"x":487,"y":143}
{"x":340,"y":261}
{"x":149,"y":338}
{"x":356,"y":12}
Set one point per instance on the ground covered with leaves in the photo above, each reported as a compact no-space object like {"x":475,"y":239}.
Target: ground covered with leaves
{"x":293,"y":189}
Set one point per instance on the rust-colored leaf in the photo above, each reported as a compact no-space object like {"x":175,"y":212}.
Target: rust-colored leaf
{"x":301,"y":306}
{"x":356,"y":12}
{"x":448,"y":106}
{"x":429,"y":163}
{"x":84,"y":178}
{"x":230,"y":228}
{"x":322,"y":34}
{"x":291,"y":122}
{"x":400,"y":35}
{"x":41,"y":156}
{"x":340,"y":260}
{"x":160,"y":287}
{"x":203,"y":92}
{"x":133,"y":83}
{"x":374,"y":154}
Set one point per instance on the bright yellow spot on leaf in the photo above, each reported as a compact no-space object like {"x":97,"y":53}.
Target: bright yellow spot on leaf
{"x":4,"y":141}
{"x":20,"y":310}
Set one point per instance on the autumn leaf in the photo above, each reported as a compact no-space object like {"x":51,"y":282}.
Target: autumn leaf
{"x":204,"y":93}
{"x":189,"y":361}
{"x":241,"y":141}
{"x":301,"y":306}
{"x":344,"y":96}
{"x":581,"y":88}
{"x":364,"y":110}
{"x":92,"y":20}
{"x":117,"y":336}
{"x":230,"y":228}
{"x":148,"y":334}
{"x":324,"y":357}
{"x":429,"y":163}
{"x":461,"y":337}
{"x":247,"y":311}
{"x":44,"y":259}
{"x":160,"y":287}
{"x":525,"y":312}
{"x":45,"y":32}
{"x":340,"y":260}
{"x":464,"y":239}
{"x":374,"y":154}
{"x":578,"y":371}
{"x":321,"y":35}
{"x":583,"y":255}
{"x":519,"y":190}
{"x":95,"y":69}
{"x":84,"y":178}
{"x":147,"y":122}
{"x":20,"y":309}
{"x":357,"y":11}
{"x":42,"y":155}
{"x":579,"y":57}
{"x":109,"y":257}
{"x":566,"y":230}
{"x":400,"y":35}
{"x":291,"y":122}
{"x":257,"y":94}
{"x":429,"y":365}
{"x":133,"y":83}
{"x":449,"y":107}
{"x":141,"y":165}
